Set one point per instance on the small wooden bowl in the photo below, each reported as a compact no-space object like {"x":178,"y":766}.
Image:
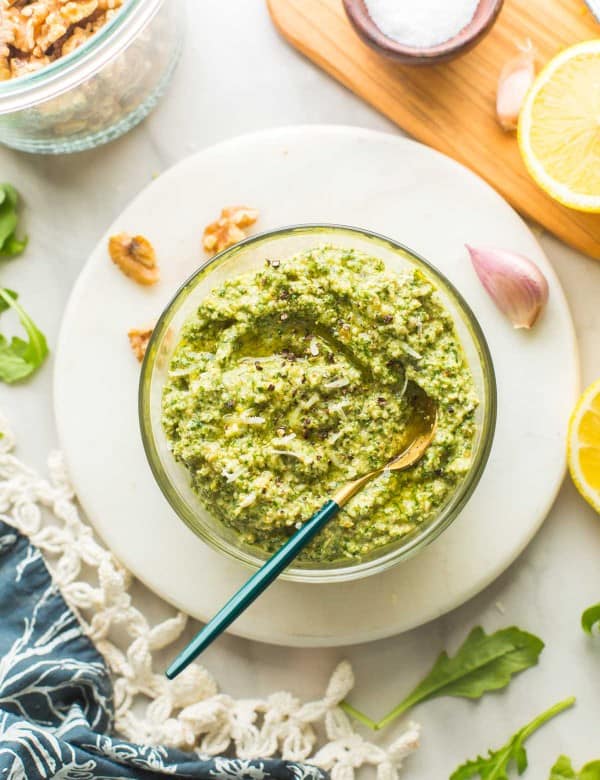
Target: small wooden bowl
{"x":485,"y":16}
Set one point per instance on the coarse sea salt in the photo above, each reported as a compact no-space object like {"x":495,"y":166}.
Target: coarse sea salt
{"x":421,"y":23}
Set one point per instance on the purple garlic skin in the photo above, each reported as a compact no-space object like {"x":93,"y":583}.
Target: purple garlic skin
{"x":516,"y":78}
{"x":515,"y":284}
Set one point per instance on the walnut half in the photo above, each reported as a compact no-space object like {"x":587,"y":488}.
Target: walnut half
{"x":228,"y":229}
{"x":139,"y":339}
{"x":135,"y":256}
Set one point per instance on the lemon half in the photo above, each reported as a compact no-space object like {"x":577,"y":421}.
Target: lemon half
{"x":559,"y":127}
{"x":584,"y":445}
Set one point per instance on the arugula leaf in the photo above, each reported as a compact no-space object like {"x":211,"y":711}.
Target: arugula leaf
{"x":4,"y":303}
{"x":497,"y":764}
{"x":563,"y":770}
{"x":13,"y":246}
{"x":10,"y":245}
{"x":590,"y":618}
{"x":8,"y":223}
{"x":590,"y":771}
{"x":20,"y":358}
{"x":485,"y":662}
{"x":10,"y":194}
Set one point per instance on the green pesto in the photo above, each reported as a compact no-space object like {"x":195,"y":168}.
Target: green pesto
{"x":290,"y":381}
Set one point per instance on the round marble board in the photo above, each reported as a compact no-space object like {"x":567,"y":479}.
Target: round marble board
{"x":314,"y":174}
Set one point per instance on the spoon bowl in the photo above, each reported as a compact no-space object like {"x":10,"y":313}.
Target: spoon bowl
{"x":481,"y":23}
{"x":419,"y":435}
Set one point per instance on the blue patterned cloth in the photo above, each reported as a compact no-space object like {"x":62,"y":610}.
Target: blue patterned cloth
{"x":56,"y":695}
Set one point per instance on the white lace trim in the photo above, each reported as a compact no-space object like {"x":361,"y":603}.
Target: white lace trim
{"x":188,"y":712}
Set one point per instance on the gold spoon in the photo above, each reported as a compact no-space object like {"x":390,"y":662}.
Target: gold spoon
{"x":419,"y":435}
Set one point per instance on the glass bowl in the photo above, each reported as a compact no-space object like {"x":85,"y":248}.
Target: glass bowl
{"x":101,"y":89}
{"x":173,"y":478}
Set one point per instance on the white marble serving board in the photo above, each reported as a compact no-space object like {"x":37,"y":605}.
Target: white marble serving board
{"x":323,"y":174}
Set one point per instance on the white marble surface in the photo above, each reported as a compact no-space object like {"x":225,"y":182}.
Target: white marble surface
{"x":237,"y":76}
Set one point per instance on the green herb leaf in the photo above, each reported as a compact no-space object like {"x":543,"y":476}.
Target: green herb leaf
{"x":498,"y":763}
{"x":590,"y":618}
{"x":10,"y":194}
{"x":10,"y":245}
{"x":4,"y":302}
{"x":563,"y":770}
{"x":20,"y":358}
{"x":485,"y":662}
{"x":14,"y":246}
{"x":590,"y":771}
{"x":8,"y":223}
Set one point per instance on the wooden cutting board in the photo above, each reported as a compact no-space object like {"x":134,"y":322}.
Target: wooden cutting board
{"x":451,"y":107}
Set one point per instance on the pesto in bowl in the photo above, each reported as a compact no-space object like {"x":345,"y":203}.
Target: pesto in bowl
{"x":288,"y":381}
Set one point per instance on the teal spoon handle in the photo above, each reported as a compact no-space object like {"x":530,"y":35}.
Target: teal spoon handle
{"x":252,"y":589}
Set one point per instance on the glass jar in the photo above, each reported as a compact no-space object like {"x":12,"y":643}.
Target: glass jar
{"x":248,"y":256}
{"x":101,"y":89}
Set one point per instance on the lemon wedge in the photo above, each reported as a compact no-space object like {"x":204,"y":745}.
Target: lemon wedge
{"x":584,"y":445}
{"x":559,"y":127}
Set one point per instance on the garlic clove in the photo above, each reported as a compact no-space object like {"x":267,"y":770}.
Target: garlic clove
{"x":515,"y":283}
{"x":516,"y":78}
